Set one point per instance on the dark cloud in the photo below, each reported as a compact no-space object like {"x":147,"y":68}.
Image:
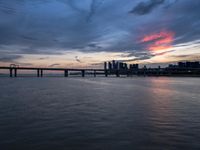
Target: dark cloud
{"x":93,"y":46}
{"x":7,"y":7}
{"x":97,"y":64}
{"x":135,"y":56}
{"x":72,"y":4}
{"x":146,"y":7}
{"x":170,"y":3}
{"x":9,"y":58}
{"x":95,"y":4}
{"x":138,"y":56}
{"x":92,"y":10}
{"x":23,"y":64}
{"x":43,"y":58}
{"x":7,"y":10}
{"x":28,"y":38}
{"x":145,"y":57}
{"x":54,"y":65}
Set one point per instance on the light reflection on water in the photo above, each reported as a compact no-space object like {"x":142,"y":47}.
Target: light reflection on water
{"x":99,"y":113}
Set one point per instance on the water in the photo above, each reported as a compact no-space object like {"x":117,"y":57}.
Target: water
{"x":99,"y":113}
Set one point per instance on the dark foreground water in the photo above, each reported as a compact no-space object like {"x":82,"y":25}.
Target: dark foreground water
{"x":99,"y":113}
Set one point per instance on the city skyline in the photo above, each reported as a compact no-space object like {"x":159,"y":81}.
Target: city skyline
{"x":81,"y":34}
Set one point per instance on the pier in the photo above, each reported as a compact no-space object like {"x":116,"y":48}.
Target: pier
{"x":39,"y":72}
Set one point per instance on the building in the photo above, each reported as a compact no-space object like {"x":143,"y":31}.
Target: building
{"x":133,"y":66}
{"x":115,"y":65}
{"x":188,"y":64}
{"x":185,"y":65}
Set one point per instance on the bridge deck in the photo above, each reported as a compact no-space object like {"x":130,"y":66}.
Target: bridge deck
{"x":43,"y":68}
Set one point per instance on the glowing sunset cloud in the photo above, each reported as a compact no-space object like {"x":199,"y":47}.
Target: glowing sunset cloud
{"x":161,"y":47}
{"x":159,"y":41}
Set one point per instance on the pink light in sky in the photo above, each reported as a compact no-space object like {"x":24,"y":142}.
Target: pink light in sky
{"x":159,"y":41}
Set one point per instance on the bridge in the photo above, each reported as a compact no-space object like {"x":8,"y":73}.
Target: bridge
{"x":13,"y":71}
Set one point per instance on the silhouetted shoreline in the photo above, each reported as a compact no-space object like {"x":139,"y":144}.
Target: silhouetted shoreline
{"x":182,"y":69}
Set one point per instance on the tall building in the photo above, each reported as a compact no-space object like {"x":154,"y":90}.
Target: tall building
{"x":133,"y":66}
{"x":115,"y":65}
{"x":181,"y":65}
{"x":109,"y":65}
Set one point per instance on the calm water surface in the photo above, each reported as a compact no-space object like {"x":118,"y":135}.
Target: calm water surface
{"x":99,"y":113}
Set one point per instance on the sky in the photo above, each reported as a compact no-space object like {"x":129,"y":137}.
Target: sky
{"x":85,"y":33}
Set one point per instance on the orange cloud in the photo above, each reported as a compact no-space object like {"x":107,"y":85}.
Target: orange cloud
{"x":159,"y":41}
{"x":157,"y":48}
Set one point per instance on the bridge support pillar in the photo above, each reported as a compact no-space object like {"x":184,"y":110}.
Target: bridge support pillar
{"x":127,"y":73}
{"x":83,"y":73}
{"x":15,"y":72}
{"x":38,"y":72}
{"x":66,"y":73}
{"x":106,"y":73}
{"x":144,"y":73}
{"x":117,"y":73}
{"x":11,"y":72}
{"x":41,"y":73}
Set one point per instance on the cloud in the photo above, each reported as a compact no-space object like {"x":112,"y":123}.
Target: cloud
{"x":54,"y":27}
{"x":146,"y":7}
{"x":170,"y":3}
{"x":186,"y":57}
{"x":95,"y":4}
{"x":9,"y":58}
{"x":44,"y":26}
{"x":139,"y":56}
{"x":23,"y":64}
{"x":163,"y":53}
{"x":43,"y":58}
{"x":54,"y":65}
{"x":97,"y":64}
{"x":135,"y":56}
{"x":72,"y":4}
{"x":77,"y":59}
{"x":7,"y":8}
{"x":159,"y":41}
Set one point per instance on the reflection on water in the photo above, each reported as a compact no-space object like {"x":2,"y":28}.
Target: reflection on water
{"x":99,"y":113}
